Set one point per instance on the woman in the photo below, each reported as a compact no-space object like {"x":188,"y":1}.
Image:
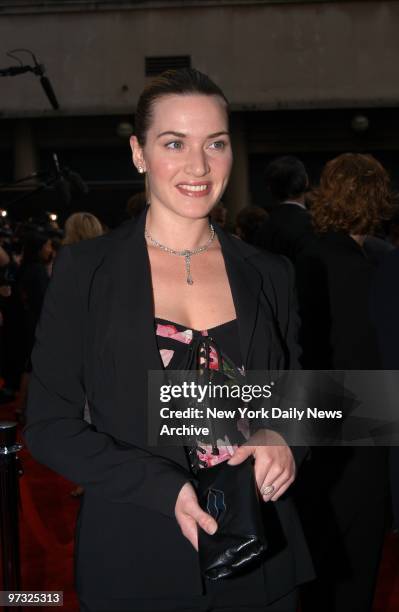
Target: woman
{"x":82,"y":226}
{"x":102,"y":331}
{"x":345,"y":515}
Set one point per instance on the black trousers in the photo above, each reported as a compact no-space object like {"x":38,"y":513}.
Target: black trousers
{"x":288,"y":603}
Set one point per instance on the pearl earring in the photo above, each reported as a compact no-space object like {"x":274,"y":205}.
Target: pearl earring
{"x":140,"y":169}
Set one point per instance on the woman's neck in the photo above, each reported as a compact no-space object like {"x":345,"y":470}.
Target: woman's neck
{"x":175,"y":231}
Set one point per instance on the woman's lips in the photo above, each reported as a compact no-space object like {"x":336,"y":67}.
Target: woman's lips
{"x":194,"y":191}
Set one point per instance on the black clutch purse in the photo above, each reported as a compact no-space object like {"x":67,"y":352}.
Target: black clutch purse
{"x":229,"y":494}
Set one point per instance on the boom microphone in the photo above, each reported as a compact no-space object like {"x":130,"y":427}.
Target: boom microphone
{"x":49,"y":91}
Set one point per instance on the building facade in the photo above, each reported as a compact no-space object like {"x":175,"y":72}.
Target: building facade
{"x":310,"y":78}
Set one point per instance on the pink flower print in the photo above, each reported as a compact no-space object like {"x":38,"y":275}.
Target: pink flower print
{"x":166,"y":356}
{"x":225,"y":453}
{"x":170,"y":331}
{"x":165,"y":330}
{"x":213,"y":359}
{"x":185,"y":336}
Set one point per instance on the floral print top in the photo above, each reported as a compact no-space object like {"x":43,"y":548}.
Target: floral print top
{"x":173,"y":341}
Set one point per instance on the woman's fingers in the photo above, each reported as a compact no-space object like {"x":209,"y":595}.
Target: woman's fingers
{"x":274,"y":488}
{"x":281,"y":489}
{"x":190,"y":515}
{"x":241,"y":453}
{"x":204,"y":520}
{"x":189,"y":529}
{"x":274,"y":470}
{"x":264,"y":470}
{"x":272,"y":474}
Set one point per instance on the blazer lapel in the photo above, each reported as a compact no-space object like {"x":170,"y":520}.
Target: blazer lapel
{"x":134,"y":308}
{"x":245,"y":283}
{"x":136,"y":349}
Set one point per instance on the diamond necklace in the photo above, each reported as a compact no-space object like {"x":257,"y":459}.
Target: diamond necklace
{"x":186,"y":253}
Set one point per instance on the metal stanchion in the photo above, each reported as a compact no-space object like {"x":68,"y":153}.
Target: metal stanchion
{"x":9,"y":496}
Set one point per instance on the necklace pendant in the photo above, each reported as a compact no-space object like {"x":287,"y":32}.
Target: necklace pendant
{"x":186,"y":253}
{"x":187,"y":258}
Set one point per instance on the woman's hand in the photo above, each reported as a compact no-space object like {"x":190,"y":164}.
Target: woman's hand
{"x":274,"y":463}
{"x":190,"y":515}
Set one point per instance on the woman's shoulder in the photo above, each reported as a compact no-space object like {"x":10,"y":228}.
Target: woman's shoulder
{"x":276,"y":271}
{"x":82,"y":260}
{"x":258,"y":256}
{"x":272,"y":265}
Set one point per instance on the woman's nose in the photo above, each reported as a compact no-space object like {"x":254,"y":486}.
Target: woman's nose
{"x":197,"y":163}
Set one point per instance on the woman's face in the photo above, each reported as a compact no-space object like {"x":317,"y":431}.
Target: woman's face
{"x":187,"y":155}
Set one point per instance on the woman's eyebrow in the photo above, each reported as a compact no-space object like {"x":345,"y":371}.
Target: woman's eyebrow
{"x":181,"y":135}
{"x":172,"y":133}
{"x":216,"y":134}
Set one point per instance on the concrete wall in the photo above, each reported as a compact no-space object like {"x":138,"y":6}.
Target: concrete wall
{"x":265,"y":56}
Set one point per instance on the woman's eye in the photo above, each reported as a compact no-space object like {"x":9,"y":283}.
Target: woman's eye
{"x":175,"y":145}
{"x":219,"y":145}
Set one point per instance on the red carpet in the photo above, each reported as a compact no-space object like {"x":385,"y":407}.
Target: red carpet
{"x":47,"y":517}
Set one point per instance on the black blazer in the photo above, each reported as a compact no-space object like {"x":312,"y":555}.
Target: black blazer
{"x":96,"y":339}
{"x":287,"y":231}
{"x":384,"y":302}
{"x":334,"y":281}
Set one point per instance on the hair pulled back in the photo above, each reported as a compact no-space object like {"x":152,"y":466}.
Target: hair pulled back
{"x":184,"y":81}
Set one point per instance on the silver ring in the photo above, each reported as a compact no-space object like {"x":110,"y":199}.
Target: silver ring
{"x":268,"y":490}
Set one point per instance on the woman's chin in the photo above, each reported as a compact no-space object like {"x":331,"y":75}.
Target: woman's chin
{"x":194,"y":210}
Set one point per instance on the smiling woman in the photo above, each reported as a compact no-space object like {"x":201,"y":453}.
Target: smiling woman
{"x":143,"y":298}
{"x":185,"y":151}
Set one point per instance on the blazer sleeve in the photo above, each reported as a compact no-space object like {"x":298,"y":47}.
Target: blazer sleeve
{"x":56,"y":433}
{"x":281,"y":284}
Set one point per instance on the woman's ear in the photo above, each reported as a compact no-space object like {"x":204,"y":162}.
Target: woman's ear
{"x":137,"y":154}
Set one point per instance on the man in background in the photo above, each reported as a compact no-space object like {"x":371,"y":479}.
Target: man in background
{"x":288,"y":229}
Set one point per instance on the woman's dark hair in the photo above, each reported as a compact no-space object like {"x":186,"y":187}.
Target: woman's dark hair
{"x":354,"y":195}
{"x":184,"y":81}
{"x":286,"y":177}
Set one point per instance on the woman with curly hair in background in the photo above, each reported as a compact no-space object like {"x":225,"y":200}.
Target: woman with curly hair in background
{"x":343,"y":491}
